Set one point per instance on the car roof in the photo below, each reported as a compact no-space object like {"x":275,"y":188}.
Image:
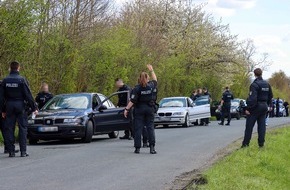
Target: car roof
{"x":81,"y":93}
{"x":176,"y":97}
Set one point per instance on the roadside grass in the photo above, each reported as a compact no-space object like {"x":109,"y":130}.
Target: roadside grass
{"x":1,"y":137}
{"x":253,"y":168}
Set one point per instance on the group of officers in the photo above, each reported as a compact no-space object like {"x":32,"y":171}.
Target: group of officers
{"x":16,"y":103}
{"x":259,"y":103}
{"x":15,"y":95}
{"x":225,"y":106}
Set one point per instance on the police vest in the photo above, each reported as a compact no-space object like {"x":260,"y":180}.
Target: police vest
{"x":263,"y":91}
{"x":14,"y":88}
{"x":146,"y":94}
{"x":227,"y":96}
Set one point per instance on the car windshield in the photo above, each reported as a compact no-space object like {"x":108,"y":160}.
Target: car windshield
{"x":172,"y":102}
{"x":72,"y":101}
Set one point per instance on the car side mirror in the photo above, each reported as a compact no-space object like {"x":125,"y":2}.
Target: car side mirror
{"x":102,"y":108}
{"x":193,"y":104}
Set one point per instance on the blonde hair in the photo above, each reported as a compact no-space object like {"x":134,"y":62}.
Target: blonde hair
{"x":43,"y":85}
{"x":143,"y":79}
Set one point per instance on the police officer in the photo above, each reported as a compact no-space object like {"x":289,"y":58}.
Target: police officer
{"x":14,"y":91}
{"x":122,"y":102}
{"x":143,"y":99}
{"x":226,"y":106}
{"x":43,"y":96}
{"x":286,"y":105}
{"x":260,"y":98}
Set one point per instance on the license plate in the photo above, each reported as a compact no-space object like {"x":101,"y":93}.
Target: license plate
{"x":47,"y":129}
{"x":165,"y":118}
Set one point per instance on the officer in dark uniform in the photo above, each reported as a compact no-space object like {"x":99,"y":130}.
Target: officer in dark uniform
{"x":286,"y":105}
{"x":43,"y":96}
{"x":260,"y":98}
{"x":14,"y":91}
{"x":226,"y":106}
{"x":143,"y":99}
{"x":122,"y":102}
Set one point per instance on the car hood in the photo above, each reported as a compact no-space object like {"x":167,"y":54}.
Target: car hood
{"x":62,"y":113}
{"x":172,"y":109}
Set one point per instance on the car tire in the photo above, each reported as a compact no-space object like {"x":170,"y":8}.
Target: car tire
{"x":187,"y":121}
{"x":113,"y":134}
{"x":33,"y":141}
{"x":238,"y":116}
{"x":89,"y":132}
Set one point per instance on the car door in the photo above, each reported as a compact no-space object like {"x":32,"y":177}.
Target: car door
{"x":191,"y":109}
{"x":201,"y":108}
{"x":107,"y":117}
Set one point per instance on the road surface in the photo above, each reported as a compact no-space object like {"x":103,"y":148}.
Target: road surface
{"x":110,"y":164}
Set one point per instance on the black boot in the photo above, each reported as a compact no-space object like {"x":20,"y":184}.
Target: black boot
{"x":137,"y":150}
{"x":145,"y":145}
{"x":152,"y":150}
{"x":24,"y":154}
{"x":11,"y":154}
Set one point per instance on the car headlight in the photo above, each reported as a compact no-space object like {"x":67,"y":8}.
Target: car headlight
{"x":73,"y":121}
{"x":178,"y":113}
{"x":31,"y":121}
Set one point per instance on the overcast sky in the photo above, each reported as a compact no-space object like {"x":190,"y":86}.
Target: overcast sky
{"x":266,"y":22}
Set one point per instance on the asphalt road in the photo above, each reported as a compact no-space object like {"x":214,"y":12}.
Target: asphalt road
{"x":111,"y":164}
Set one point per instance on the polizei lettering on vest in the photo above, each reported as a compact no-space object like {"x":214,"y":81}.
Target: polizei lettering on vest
{"x":146,"y":92}
{"x":12,"y":85}
{"x":265,"y":89}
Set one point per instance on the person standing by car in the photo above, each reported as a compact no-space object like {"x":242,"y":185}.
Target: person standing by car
{"x":286,"y":105}
{"x":14,"y":91}
{"x":193,"y":95}
{"x":43,"y":96}
{"x":143,"y":99}
{"x":258,"y":103}
{"x":227,"y":97}
{"x":278,"y":107}
{"x":122,"y":102}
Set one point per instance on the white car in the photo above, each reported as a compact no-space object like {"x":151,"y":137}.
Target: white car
{"x":182,"y":111}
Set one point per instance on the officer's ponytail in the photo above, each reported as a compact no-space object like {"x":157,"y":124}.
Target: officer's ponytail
{"x":143,"y":79}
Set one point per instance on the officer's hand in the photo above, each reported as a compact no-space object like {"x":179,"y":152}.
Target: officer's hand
{"x":150,"y":67}
{"x":125,"y":113}
{"x":3,"y":115}
{"x":247,"y":112}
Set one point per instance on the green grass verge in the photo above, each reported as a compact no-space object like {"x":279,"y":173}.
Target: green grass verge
{"x":1,"y":137}
{"x":253,"y":168}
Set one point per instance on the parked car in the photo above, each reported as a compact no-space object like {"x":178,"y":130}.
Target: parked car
{"x":181,"y":111}
{"x":237,"y":109}
{"x":80,"y":115}
{"x":282,"y":109}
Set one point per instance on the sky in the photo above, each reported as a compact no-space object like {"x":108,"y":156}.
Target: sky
{"x":266,"y":22}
